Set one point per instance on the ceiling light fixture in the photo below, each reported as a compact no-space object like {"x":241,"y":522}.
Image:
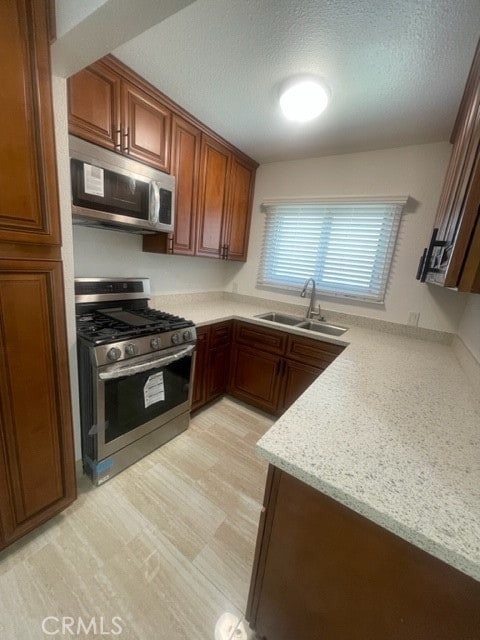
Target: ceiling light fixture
{"x":303,"y":99}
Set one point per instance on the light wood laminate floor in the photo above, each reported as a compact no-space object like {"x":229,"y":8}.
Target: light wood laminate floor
{"x":166,"y":546}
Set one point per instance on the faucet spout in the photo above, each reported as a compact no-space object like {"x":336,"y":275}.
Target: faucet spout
{"x":311,"y":307}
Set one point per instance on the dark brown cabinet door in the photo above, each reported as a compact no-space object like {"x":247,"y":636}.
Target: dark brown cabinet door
{"x":323,"y":571}
{"x":94,"y":105}
{"x":219,"y":358}
{"x":255,"y":377}
{"x":146,"y":128}
{"x":218,"y":369}
{"x":237,"y":228}
{"x":185,"y":167}
{"x":28,"y":185}
{"x":214,"y":175}
{"x":35,"y":414}
{"x":296,"y":379}
{"x":200,"y":371}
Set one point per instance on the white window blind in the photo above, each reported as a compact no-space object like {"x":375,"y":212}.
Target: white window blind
{"x":347,"y":246}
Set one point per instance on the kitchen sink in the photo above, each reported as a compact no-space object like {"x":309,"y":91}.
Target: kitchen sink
{"x":301,"y":323}
{"x":281,"y":318}
{"x":322,"y":327}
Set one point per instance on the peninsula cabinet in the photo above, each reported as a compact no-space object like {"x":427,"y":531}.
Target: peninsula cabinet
{"x":453,"y":256}
{"x":270,"y":369}
{"x":323,"y":571}
{"x":108,"y":108}
{"x":37,"y":472}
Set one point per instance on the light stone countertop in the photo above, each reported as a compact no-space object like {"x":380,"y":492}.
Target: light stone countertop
{"x":391,"y":429}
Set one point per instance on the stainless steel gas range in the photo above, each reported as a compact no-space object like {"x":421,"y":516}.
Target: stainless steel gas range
{"x":135,"y":371}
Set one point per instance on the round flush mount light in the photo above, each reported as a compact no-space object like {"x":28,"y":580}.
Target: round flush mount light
{"x":303,"y":98}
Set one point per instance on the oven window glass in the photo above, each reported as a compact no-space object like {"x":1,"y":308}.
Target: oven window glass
{"x":134,"y":400}
{"x":121,"y":194}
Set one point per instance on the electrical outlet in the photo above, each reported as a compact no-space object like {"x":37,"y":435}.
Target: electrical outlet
{"x":234,"y":287}
{"x":413,"y":318}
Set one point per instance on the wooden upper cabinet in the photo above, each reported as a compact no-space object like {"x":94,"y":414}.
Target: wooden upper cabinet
{"x":146,"y":132}
{"x":186,"y":141}
{"x":225,"y":202}
{"x":111,"y":106}
{"x":107,"y":109}
{"x":453,"y":257}
{"x":242,"y":180}
{"x":28,"y":182}
{"x":94,"y":105}
{"x":214,"y":177}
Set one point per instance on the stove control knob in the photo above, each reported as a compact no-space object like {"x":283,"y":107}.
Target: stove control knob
{"x":155,"y":343}
{"x":114,"y":354}
{"x":187,"y":335}
{"x":176,"y":338}
{"x":131,"y":349}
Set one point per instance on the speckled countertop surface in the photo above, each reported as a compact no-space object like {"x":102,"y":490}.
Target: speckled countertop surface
{"x":391,"y":429}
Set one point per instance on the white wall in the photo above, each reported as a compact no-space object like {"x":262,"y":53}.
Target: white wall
{"x":100,"y":253}
{"x":469,"y":329}
{"x":59,"y":88}
{"x":417,"y":171}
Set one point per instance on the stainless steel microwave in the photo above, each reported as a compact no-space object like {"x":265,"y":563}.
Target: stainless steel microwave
{"x":115,"y":192}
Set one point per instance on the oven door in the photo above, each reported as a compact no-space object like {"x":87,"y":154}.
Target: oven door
{"x":140,"y":395}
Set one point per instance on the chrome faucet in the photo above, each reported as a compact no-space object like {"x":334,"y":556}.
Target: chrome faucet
{"x":311,"y":307}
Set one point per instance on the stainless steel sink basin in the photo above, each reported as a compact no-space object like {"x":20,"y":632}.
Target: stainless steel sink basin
{"x":281,"y":318}
{"x":301,"y":323}
{"x":322,"y":327}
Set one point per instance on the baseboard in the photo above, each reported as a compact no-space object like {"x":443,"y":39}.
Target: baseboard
{"x":468,"y":362}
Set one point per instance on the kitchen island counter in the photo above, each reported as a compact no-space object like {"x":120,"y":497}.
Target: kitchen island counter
{"x":391,"y":430}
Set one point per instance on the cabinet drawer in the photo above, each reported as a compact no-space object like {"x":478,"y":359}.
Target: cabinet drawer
{"x":220,"y":333}
{"x":260,"y":338}
{"x":314,"y":352}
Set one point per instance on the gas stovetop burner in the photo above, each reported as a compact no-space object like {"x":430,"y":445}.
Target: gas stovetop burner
{"x":108,"y":325}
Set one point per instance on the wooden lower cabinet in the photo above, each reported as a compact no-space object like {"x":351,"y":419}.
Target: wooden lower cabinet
{"x":254,"y":377}
{"x":323,"y":571}
{"x":212,"y":363}
{"x":199,"y":374}
{"x":37,"y":472}
{"x":298,"y":377}
{"x":220,"y":345}
{"x":271,"y":368}
{"x":266,"y":368}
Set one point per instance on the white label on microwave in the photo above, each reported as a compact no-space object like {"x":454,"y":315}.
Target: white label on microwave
{"x":93,"y":180}
{"x":154,"y":389}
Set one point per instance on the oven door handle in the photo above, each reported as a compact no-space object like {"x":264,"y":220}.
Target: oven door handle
{"x":122,"y":371}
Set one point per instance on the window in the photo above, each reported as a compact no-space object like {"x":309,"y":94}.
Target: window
{"x":346,"y":245}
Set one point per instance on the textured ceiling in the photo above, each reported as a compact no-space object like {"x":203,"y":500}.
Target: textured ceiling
{"x":396,"y":69}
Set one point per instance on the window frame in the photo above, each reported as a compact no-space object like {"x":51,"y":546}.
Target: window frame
{"x":396,"y":206}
